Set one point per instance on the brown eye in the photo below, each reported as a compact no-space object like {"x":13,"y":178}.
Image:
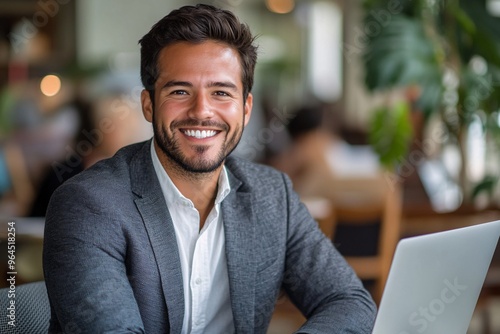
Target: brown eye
{"x":221,"y":93}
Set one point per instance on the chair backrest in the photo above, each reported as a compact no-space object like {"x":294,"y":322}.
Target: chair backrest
{"x":31,"y":311}
{"x":367,"y":211}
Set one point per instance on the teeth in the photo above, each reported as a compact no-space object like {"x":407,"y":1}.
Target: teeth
{"x":200,"y":134}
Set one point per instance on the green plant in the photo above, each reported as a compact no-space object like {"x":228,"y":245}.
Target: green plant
{"x":450,"y":49}
{"x":390,"y":133}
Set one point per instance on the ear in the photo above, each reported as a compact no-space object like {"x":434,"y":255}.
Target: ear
{"x":248,"y":108}
{"x":147,"y":105}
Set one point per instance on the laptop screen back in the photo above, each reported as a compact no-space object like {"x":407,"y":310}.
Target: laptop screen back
{"x":435,"y":281}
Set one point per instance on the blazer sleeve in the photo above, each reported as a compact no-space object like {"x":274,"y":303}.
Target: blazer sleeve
{"x":84,"y":265}
{"x":318,"y":279}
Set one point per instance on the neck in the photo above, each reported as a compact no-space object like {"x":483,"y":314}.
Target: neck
{"x":200,"y":188}
{"x":201,"y":191}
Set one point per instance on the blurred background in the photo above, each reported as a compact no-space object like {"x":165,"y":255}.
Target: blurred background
{"x":388,"y":107}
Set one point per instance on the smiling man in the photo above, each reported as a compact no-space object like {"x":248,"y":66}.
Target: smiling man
{"x":198,"y":110}
{"x":176,"y":236}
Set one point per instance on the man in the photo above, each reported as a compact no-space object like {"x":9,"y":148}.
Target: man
{"x":174,"y":236}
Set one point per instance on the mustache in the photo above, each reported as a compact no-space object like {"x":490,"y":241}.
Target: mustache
{"x":197,"y":123}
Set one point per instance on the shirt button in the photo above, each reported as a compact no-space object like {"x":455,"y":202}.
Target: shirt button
{"x":198,"y":281}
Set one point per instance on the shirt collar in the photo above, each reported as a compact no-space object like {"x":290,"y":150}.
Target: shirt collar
{"x":170,"y":191}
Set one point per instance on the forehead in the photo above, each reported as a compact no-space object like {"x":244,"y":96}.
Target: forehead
{"x":184,"y":58}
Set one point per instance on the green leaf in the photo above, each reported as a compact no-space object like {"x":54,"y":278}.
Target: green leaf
{"x":390,"y":133}
{"x":486,"y":185}
{"x":402,"y":55}
{"x":475,"y":30}
{"x":463,"y":19}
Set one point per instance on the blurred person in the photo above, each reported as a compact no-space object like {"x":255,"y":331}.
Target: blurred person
{"x":174,"y":235}
{"x":304,"y":160}
{"x":317,"y":157}
{"x":329,"y":173}
{"x":35,"y":129}
{"x":107,"y":124}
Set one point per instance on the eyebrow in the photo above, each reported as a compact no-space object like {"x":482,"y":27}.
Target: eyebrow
{"x":173,"y":83}
{"x":222,"y":84}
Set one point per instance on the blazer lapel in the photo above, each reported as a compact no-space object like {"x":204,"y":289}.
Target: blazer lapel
{"x":153,"y":209}
{"x":239,"y":232}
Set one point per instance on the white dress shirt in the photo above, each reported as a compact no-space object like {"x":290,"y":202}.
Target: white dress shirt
{"x":203,"y":259}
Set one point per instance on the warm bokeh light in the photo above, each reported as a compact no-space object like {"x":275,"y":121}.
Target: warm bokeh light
{"x":50,"y":85}
{"x":280,"y":6}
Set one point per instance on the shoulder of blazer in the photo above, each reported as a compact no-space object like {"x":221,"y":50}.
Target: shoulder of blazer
{"x":109,"y":174}
{"x":253,"y":175}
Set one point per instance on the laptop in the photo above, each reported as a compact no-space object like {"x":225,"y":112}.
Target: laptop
{"x":435,"y":280}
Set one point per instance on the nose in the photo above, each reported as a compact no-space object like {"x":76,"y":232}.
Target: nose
{"x":201,"y":107}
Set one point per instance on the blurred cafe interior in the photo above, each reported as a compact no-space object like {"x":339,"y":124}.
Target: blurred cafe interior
{"x":384,"y":113}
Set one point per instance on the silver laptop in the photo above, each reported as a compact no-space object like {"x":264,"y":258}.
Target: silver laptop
{"x":435,"y":280}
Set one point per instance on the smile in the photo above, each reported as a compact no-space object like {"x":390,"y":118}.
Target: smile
{"x":200,"y":134}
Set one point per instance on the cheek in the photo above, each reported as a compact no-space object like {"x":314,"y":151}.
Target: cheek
{"x":167,"y":112}
{"x":232,"y":111}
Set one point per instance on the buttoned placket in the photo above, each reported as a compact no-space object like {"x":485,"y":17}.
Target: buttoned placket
{"x":190,"y":228}
{"x":199,"y":284}
{"x":200,"y":272}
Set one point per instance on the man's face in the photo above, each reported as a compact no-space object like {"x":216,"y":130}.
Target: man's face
{"x":199,"y":112}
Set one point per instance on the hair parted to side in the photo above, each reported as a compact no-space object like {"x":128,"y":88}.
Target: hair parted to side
{"x":196,"y":24}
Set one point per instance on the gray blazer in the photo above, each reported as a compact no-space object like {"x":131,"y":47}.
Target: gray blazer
{"x":111,"y":261}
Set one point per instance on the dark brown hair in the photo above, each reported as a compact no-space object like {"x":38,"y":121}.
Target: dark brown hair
{"x":196,"y":24}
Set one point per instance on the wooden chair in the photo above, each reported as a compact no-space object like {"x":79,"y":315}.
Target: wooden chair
{"x":352,"y":201}
{"x":358,"y":202}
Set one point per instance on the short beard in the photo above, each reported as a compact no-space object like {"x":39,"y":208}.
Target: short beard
{"x":199,"y":167}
